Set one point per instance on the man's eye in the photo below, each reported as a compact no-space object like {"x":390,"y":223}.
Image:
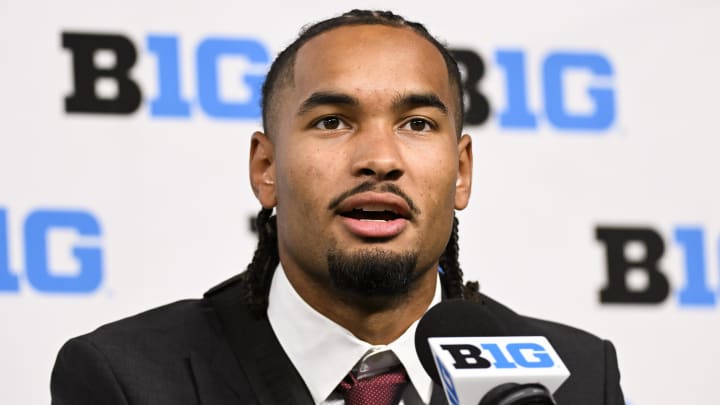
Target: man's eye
{"x":418,"y":125}
{"x":330,"y":123}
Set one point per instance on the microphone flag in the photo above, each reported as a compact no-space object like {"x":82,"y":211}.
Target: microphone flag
{"x":470,"y":367}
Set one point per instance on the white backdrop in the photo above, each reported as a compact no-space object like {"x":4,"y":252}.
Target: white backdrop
{"x":170,"y":199}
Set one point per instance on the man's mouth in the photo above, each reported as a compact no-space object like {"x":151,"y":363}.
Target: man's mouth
{"x":371,"y":214}
{"x":374,"y":215}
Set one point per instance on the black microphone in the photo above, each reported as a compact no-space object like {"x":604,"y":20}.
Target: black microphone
{"x":466,"y":348}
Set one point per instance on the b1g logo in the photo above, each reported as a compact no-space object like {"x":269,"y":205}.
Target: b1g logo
{"x":511,"y":355}
{"x":40,"y":229}
{"x":471,"y":366}
{"x":88,"y":73}
{"x":654,"y":288}
{"x":557,"y":67}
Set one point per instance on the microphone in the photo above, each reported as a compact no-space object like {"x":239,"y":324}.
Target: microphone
{"x":466,"y":348}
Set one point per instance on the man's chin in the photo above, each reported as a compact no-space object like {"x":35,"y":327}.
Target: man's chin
{"x":373,"y":273}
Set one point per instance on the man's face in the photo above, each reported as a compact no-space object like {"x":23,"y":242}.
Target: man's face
{"x":364,"y":159}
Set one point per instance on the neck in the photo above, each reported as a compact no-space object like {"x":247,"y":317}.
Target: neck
{"x":376,"y":320}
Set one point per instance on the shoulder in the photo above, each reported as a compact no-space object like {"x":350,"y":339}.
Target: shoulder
{"x":163,"y":328}
{"x":151,"y":337}
{"x":527,"y":326}
{"x":160,"y":335}
{"x":182,"y":325}
{"x":145,"y":358}
{"x":594,"y":376}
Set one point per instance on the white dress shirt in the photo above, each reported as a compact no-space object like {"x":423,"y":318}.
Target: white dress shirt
{"x":323,"y":352}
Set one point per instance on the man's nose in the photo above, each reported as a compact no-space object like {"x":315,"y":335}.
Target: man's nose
{"x":377,"y":153}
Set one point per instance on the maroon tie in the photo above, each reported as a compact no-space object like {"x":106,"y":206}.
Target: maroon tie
{"x":382,"y":389}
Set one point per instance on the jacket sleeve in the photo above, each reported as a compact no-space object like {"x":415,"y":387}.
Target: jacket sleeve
{"x":613,"y":392}
{"x":83,"y":376}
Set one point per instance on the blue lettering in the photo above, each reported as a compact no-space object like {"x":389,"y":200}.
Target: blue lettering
{"x":603,"y":99}
{"x":37,"y":226}
{"x":540,"y":358}
{"x":517,"y":114}
{"x":696,"y":291}
{"x":8,"y":281}
{"x":208,"y":54}
{"x":500,"y":360}
{"x":168,"y":102}
{"x":448,"y":382}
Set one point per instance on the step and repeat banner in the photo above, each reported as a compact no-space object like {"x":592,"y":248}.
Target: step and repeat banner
{"x":123,"y":167}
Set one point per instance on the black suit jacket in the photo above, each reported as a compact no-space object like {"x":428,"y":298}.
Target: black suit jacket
{"x":212,"y":352}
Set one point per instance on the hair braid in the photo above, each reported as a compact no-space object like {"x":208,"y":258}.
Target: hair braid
{"x":452,"y":278}
{"x":264,"y":262}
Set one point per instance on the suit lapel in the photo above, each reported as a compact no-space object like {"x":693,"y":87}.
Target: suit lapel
{"x":269,"y":372}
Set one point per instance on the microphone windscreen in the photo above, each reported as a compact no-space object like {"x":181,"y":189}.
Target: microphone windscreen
{"x":453,"y":318}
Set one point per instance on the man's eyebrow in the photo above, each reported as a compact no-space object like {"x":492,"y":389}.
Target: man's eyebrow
{"x":327,"y":98}
{"x":416,"y":100}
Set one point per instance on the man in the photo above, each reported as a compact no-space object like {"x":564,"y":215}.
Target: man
{"x":364,"y":162}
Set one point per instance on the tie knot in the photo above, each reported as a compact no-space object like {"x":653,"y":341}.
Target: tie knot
{"x":381,"y":389}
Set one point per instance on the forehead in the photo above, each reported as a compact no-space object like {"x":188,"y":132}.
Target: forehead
{"x":370,"y":60}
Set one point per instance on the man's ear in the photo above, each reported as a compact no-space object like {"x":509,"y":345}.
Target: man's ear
{"x":464,"y":178}
{"x":262,"y":169}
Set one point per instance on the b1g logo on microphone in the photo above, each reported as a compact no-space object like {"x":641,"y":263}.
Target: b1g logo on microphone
{"x":512,"y":355}
{"x":62,"y":252}
{"x":469,"y":367}
{"x":634,"y":272}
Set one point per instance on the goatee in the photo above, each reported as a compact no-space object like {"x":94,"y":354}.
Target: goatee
{"x":372,"y":272}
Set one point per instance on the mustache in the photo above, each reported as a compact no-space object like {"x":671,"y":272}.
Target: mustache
{"x":374,"y":186}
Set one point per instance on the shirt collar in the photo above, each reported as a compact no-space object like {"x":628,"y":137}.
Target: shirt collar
{"x":322,"y":351}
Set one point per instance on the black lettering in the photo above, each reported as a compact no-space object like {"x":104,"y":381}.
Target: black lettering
{"x":477,"y":107}
{"x":86,"y":73}
{"x":618,"y":265}
{"x":466,"y":356}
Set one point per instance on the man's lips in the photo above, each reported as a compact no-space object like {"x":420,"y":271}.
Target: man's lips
{"x":374,"y":215}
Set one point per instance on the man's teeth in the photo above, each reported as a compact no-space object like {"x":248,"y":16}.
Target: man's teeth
{"x":374,"y":208}
{"x":373,"y":213}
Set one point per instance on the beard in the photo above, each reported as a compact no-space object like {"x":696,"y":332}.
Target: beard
{"x":372,"y":272}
